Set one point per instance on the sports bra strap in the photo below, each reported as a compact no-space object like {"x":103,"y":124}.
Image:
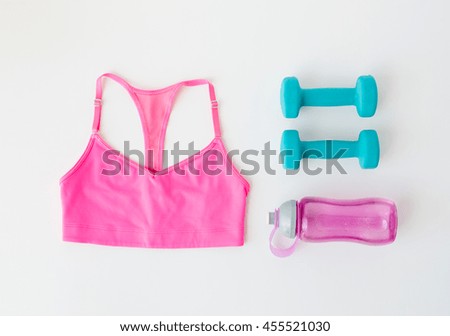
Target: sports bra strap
{"x":99,"y":94}
{"x":212,"y":97}
{"x":129,"y":88}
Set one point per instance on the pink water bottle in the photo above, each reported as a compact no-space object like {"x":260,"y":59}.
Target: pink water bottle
{"x":369,"y":221}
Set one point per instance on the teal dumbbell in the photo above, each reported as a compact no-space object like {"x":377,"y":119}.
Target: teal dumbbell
{"x":364,"y":96}
{"x":366,"y":149}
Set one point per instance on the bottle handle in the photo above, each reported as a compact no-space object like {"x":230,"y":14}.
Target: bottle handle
{"x":279,"y":251}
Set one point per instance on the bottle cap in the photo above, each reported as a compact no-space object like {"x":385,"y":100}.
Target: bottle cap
{"x":286,"y":217}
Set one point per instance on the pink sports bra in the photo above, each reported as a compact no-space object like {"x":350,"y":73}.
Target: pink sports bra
{"x":147,"y":206}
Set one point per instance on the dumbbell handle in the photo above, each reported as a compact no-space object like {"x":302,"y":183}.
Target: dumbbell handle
{"x":329,"y":148}
{"x":328,"y":97}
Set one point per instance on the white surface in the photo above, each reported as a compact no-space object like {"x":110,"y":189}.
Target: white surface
{"x":51,"y":54}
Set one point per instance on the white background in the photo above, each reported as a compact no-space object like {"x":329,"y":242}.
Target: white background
{"x":51,"y":53}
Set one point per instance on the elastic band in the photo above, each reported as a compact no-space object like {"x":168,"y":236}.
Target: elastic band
{"x":277,"y":251}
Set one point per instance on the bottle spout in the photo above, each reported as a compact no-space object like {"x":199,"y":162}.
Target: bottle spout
{"x":271,"y":218}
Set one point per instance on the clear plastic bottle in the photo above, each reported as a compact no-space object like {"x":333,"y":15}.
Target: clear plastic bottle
{"x":369,"y":221}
